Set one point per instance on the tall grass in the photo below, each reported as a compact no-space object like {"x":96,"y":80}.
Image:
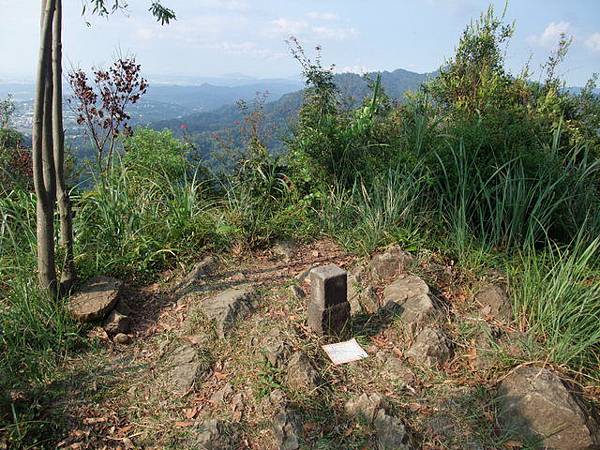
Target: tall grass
{"x":515,"y":206}
{"x":368,"y":216}
{"x":557,"y":296}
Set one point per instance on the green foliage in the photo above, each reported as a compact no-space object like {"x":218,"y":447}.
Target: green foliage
{"x":155,"y":155}
{"x":558,"y":295}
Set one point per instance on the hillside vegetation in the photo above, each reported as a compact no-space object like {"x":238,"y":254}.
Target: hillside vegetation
{"x":481,"y":173}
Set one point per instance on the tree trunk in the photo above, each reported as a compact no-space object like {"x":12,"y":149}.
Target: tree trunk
{"x":43,"y":160}
{"x":64,"y":202}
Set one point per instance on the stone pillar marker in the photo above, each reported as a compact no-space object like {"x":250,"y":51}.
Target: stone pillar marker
{"x":328,"y":307}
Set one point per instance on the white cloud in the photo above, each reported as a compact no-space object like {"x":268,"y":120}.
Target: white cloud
{"x":289,"y":27}
{"x":551,"y":34}
{"x":358,"y":68}
{"x":304,"y":30}
{"x":315,"y":15}
{"x":593,"y":42}
{"x":333,"y":33}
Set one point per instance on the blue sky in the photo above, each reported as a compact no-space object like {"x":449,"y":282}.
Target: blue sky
{"x":216,"y":37}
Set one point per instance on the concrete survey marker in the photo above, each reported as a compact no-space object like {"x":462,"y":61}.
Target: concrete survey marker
{"x":328,"y":307}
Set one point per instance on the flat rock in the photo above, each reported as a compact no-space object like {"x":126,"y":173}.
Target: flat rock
{"x":409,"y":297}
{"x":188,"y":365}
{"x":391,"y":432}
{"x":117,"y":323}
{"x":534,"y":404}
{"x":494,"y":303}
{"x":386,"y":265}
{"x":228,"y":307}
{"x":431,"y":348}
{"x":301,"y":375}
{"x":95,"y":299}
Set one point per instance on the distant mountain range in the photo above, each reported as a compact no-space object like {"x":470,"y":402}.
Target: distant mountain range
{"x":279,"y":114}
{"x":206,"y":106}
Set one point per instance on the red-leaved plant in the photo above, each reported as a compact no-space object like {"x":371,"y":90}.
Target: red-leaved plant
{"x":101,"y":106}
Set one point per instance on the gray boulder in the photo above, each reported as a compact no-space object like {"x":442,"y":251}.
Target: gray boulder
{"x":228,"y":307}
{"x":188,"y":365}
{"x":391,"y":433}
{"x":301,"y":375}
{"x":409,"y":297}
{"x":95,"y":299}
{"x":431,"y":348}
{"x":535,"y":404}
{"x":389,"y":264}
{"x":494,"y":302}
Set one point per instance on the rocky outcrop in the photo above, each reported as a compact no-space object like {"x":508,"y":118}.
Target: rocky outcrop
{"x":95,"y":299}
{"x":432,"y":348}
{"x":387,"y":265}
{"x":494,"y":303}
{"x":409,"y":297}
{"x":188,"y":365}
{"x":200,"y":270}
{"x":371,"y":409}
{"x":535,"y":404}
{"x":228,"y":307}
{"x":301,"y":375}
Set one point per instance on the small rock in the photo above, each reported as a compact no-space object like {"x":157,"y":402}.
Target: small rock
{"x":297,"y":292}
{"x":301,"y":375}
{"x":275,"y":348}
{"x":237,"y":405}
{"x":227,"y":308}
{"x":222,"y":394}
{"x":95,"y":299}
{"x":535,"y":404}
{"x":396,"y":370}
{"x":187,"y":366}
{"x":199,"y":271}
{"x":287,"y":429}
{"x":116,"y":323}
{"x":365,"y":407}
{"x":122,"y":339}
{"x":360,"y":296}
{"x":285,"y":249}
{"x":408,"y":296}
{"x":431,"y":348}
{"x":494,"y":303}
{"x":212,"y":434}
{"x":391,"y":433}
{"x":389,"y":264}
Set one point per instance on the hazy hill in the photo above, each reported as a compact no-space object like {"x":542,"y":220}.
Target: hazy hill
{"x":280,"y":113}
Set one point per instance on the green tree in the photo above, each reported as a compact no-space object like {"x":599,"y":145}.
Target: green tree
{"x":48,"y":140}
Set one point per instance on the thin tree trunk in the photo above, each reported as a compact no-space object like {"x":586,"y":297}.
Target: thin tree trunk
{"x":68,"y":274}
{"x":42,"y":156}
